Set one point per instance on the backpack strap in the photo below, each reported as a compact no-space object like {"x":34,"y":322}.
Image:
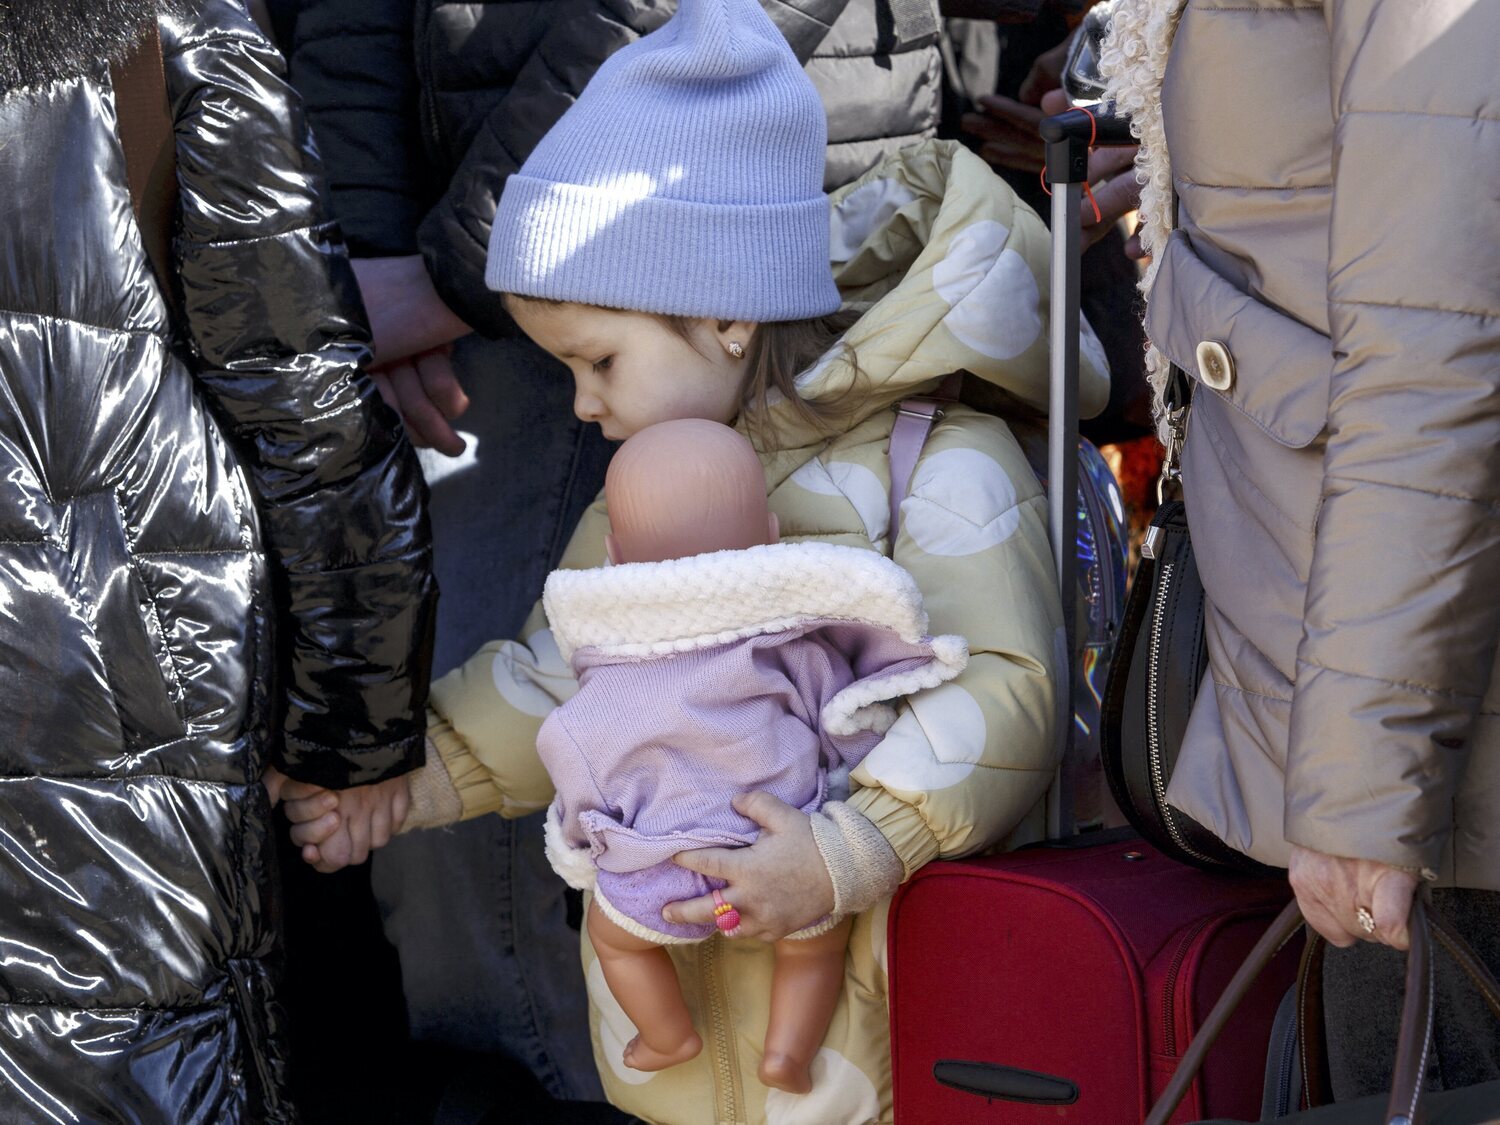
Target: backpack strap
{"x":915,"y":418}
{"x":144,"y":121}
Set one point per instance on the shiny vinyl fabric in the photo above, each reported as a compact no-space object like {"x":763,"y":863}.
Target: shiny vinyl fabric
{"x":213,"y":549}
{"x":1339,"y":235}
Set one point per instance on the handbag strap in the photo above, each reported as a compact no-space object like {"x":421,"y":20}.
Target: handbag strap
{"x":143,"y":115}
{"x":915,"y":418}
{"x":1414,"y":1044}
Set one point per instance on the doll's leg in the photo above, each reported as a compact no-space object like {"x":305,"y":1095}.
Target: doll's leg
{"x":805,"y":988}
{"x":643,"y":980}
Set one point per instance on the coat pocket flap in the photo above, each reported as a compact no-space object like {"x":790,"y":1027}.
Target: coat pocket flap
{"x":1282,"y":367}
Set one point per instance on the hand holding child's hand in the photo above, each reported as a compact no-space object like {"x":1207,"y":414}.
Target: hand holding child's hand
{"x":779,"y":884}
{"x":339,"y":829}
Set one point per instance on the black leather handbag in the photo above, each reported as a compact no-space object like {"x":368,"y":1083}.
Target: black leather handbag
{"x":1158,"y":667}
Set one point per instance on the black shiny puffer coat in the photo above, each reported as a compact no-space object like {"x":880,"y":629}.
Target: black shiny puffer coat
{"x":213,"y":548}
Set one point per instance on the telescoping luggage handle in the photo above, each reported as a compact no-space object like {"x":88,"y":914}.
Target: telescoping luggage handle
{"x":1068,"y":137}
{"x":1414,"y":1044}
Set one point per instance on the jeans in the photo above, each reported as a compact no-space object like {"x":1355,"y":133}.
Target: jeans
{"x":1363,"y":988}
{"x":489,"y":960}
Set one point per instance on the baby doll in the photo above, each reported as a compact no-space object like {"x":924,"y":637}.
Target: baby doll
{"x":713,"y":661}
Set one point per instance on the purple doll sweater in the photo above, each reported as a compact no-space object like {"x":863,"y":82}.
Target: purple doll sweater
{"x":706,"y":677}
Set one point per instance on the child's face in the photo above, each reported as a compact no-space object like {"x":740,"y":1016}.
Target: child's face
{"x":630,"y":370}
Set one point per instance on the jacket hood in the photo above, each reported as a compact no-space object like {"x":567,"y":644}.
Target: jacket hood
{"x":951,"y":271}
{"x":42,"y":41}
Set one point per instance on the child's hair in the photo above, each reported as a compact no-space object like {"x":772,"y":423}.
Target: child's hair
{"x":778,"y":353}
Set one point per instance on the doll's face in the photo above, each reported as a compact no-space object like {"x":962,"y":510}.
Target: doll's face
{"x":631,"y":370}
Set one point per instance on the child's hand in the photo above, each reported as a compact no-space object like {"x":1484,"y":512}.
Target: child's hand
{"x":779,"y":884}
{"x":342,"y":832}
{"x":313,"y":812}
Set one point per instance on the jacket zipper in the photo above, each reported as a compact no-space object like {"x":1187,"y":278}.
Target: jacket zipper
{"x":721,"y":1040}
{"x":1154,"y":755}
{"x":427,"y":102}
{"x":1169,"y":989}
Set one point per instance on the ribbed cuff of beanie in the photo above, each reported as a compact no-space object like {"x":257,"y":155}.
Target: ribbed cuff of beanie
{"x":609,"y":247}
{"x":863,"y":866}
{"x":434,"y":798}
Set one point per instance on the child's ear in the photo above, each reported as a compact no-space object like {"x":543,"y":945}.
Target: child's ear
{"x":612,"y":547}
{"x":739,"y":332}
{"x":775,"y":529}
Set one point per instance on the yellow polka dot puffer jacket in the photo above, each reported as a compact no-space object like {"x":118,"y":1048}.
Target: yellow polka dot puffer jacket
{"x":952,"y":271}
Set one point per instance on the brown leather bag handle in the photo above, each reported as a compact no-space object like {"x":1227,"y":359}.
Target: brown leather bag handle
{"x":144,"y":121}
{"x":1416,"y":1013}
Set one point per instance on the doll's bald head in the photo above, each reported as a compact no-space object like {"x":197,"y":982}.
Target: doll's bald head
{"x":683,"y":488}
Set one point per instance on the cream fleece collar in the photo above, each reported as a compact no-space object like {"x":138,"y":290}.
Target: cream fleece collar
{"x":652,"y":609}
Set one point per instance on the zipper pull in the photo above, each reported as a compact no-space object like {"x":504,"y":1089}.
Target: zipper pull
{"x":1154,"y":536}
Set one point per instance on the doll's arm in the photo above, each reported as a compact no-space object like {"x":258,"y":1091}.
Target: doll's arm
{"x":966,"y":763}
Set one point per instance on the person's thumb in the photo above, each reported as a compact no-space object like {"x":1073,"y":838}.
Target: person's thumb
{"x":273,"y":779}
{"x":1390,"y":904}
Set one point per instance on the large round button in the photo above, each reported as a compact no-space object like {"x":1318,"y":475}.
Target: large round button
{"x":1215,"y":365}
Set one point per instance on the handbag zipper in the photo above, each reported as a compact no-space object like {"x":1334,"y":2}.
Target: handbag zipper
{"x":1153,"y":723}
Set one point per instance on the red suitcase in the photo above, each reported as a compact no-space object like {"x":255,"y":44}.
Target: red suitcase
{"x":1090,"y":966}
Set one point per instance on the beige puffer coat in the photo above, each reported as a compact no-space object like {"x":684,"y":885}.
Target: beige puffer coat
{"x":1333,"y":285}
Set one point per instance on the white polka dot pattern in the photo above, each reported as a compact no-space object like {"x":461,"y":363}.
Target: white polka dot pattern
{"x":857,"y":484}
{"x":865,"y":209}
{"x":995,"y":306}
{"x":515,"y":666}
{"x":842,"y":1094}
{"x":961,"y":502}
{"x":934,"y":745}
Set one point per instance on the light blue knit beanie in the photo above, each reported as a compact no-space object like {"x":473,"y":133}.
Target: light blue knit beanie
{"x":686,"y":179}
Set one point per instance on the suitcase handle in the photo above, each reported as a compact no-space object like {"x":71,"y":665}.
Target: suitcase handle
{"x":1010,"y":1083}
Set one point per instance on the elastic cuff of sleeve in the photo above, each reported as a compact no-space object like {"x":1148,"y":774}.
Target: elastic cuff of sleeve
{"x":860,"y":861}
{"x":903,"y":827}
{"x":475,"y":785}
{"x":434,"y":799}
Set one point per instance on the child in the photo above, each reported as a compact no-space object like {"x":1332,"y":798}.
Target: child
{"x":669,"y":243}
{"x":765,"y":666}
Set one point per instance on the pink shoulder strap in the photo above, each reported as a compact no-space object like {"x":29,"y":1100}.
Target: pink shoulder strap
{"x":915,"y":418}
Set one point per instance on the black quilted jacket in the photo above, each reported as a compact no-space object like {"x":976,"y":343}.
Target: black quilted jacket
{"x":213,"y":551}
{"x":424,"y":107}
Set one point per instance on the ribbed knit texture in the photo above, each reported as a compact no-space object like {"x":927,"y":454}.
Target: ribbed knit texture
{"x":686,"y":179}
{"x":862,"y":866}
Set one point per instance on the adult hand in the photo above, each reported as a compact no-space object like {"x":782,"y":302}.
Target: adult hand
{"x":406,"y":314}
{"x":1007,"y":127}
{"x":1331,"y":890}
{"x":779,"y":884}
{"x":428,"y":395}
{"x":342,"y":832}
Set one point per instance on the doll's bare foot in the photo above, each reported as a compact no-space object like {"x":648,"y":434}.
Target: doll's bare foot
{"x":639,"y":1055}
{"x":786,"y":1073}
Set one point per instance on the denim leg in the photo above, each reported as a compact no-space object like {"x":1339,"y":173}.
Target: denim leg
{"x":480,"y":920}
{"x":1363,"y":987}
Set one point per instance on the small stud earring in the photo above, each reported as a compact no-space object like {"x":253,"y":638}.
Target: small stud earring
{"x":736,"y":349}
